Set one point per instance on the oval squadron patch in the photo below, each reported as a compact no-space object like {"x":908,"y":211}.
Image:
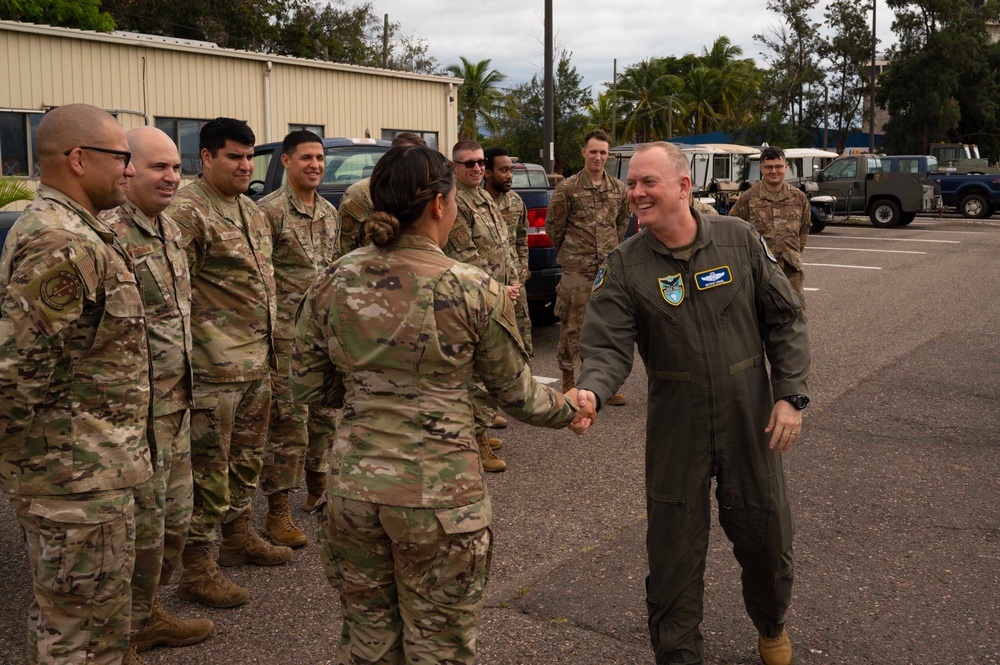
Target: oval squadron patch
{"x":60,"y":289}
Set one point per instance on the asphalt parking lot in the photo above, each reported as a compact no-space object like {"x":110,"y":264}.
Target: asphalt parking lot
{"x":895,"y":487}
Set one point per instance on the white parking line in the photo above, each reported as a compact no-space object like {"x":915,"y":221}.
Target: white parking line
{"x":837,"y":265}
{"x":809,"y":288}
{"x":948,"y":242}
{"x":858,"y":249}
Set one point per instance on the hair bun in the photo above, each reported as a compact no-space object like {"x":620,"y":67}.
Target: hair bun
{"x":382,"y":227}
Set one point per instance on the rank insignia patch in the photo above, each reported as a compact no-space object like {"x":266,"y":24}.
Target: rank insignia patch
{"x":672,"y":289}
{"x":706,"y":279}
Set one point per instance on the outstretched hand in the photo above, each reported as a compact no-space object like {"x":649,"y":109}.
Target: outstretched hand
{"x":587,"y":414}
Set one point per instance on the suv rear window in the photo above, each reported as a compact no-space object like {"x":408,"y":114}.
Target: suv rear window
{"x":530,"y":176}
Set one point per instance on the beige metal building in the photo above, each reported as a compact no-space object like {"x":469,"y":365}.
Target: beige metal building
{"x":177,"y":85}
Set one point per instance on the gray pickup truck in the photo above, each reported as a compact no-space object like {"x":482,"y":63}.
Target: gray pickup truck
{"x":860,"y":185}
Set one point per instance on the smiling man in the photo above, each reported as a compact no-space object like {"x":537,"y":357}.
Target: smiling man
{"x":781,"y":214}
{"x":705,"y":301}
{"x":162,"y":503}
{"x":587,"y":218}
{"x":305,"y":232}
{"x":233,"y":313}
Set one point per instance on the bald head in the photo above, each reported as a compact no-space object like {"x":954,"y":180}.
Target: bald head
{"x":82,"y":152}
{"x":157,"y":170}
{"x":67,"y":127}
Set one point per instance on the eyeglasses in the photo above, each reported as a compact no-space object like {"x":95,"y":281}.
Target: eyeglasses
{"x":772,"y":167}
{"x":121,"y":153}
{"x":473,"y":163}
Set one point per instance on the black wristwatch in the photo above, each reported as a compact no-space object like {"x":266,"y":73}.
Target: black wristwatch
{"x":798,"y":401}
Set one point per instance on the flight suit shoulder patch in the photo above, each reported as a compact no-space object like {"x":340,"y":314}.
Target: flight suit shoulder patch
{"x":767,"y":250}
{"x":602,"y":277}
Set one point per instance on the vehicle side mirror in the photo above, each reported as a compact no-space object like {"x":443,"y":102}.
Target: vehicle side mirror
{"x":818,"y":176}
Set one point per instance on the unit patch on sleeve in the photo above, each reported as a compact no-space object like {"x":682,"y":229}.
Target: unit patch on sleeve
{"x":672,"y":289}
{"x":767,"y":250}
{"x":706,"y":279}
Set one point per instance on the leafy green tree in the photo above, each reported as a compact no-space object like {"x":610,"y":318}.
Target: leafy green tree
{"x":479,"y":96}
{"x":13,"y":189}
{"x":644,"y":93}
{"x":62,"y":13}
{"x":942,"y":83}
{"x":848,"y":54}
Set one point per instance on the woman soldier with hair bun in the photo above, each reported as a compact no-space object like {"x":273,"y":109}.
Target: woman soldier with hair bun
{"x":394,"y":332}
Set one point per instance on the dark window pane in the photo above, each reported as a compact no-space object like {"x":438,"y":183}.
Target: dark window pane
{"x":13,"y":144}
{"x":190,"y":155}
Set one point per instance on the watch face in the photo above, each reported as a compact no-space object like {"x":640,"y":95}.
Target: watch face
{"x":798,"y":401}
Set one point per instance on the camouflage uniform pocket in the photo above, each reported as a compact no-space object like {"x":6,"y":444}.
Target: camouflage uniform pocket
{"x":82,"y":541}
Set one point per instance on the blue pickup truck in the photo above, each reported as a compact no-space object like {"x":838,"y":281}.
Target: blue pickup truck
{"x":975,"y":196}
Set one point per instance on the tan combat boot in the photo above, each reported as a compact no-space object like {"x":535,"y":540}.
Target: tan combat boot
{"x":491,"y":462}
{"x":776,"y":650}
{"x":164,"y":629}
{"x":242,"y":544}
{"x":203,"y":582}
{"x":315,"y":485}
{"x":131,"y":657}
{"x":618,"y":399}
{"x":569,"y":381}
{"x":499,"y":422}
{"x":278,"y":523}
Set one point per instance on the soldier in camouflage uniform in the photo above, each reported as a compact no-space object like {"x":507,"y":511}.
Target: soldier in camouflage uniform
{"x":498,"y":181}
{"x":305,"y":236}
{"x":781,"y":214}
{"x":405,"y":535}
{"x":587,"y":218}
{"x":479,"y":238}
{"x":74,"y":391}
{"x":356,"y":204}
{"x":232,"y":318}
{"x":162,"y":503}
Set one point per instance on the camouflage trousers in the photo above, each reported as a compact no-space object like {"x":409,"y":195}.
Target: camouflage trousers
{"x":410,"y":581}
{"x":228,"y":431}
{"x":81,"y":550}
{"x":298,"y":435}
{"x":523,"y":320}
{"x":162,"y":511}
{"x":572,"y":295}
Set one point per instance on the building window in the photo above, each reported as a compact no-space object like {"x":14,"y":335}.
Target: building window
{"x":17,"y":143}
{"x":184,"y":133}
{"x":430,"y":137}
{"x":315,"y":129}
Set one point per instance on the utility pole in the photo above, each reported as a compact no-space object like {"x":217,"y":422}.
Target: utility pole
{"x":614,"y":99}
{"x":385,"y":42}
{"x":871,"y":89}
{"x":670,"y":117}
{"x":548,"y":124}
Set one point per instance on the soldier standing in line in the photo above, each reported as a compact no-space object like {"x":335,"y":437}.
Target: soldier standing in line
{"x":162,"y":503}
{"x":780,"y":213}
{"x":356,"y":204}
{"x":305,"y":233}
{"x":232,"y":319}
{"x":479,"y":239}
{"x":587,"y":219}
{"x":498,"y":181}
{"x":74,"y":391}
{"x":397,"y":332}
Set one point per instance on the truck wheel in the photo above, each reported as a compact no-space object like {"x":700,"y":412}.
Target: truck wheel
{"x":885,"y":213}
{"x":974,"y":206}
{"x":907,"y":218}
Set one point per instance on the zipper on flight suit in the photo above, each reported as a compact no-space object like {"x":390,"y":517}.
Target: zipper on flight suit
{"x":689,"y":285}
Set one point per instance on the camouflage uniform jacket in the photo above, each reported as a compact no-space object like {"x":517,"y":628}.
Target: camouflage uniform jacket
{"x":156,"y":246}
{"x":74,"y":369}
{"x":304,"y":245}
{"x":516,"y":216}
{"x":479,"y":236}
{"x":783,"y":218}
{"x":355,"y":207}
{"x":400,"y":333}
{"x":586,"y":221}
{"x":232,"y":285}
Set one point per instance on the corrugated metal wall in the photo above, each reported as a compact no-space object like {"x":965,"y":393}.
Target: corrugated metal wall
{"x":46,"y":66}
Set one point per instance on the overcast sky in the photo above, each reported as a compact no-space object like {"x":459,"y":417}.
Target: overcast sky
{"x":511,"y":33}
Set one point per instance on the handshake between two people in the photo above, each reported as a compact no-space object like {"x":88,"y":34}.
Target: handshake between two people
{"x":587,"y":414}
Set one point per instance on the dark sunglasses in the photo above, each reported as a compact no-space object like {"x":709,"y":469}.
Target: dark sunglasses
{"x":123,"y":153}
{"x":473,"y":163}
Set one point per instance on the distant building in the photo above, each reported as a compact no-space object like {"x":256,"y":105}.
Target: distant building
{"x":881,"y":115}
{"x":178,"y":85}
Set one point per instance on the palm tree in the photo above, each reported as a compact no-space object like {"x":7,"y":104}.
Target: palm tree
{"x":479,"y":97}
{"x":646,"y":90}
{"x":13,"y":189}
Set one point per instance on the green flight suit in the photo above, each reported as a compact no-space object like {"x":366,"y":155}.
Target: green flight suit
{"x":703,"y":327}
